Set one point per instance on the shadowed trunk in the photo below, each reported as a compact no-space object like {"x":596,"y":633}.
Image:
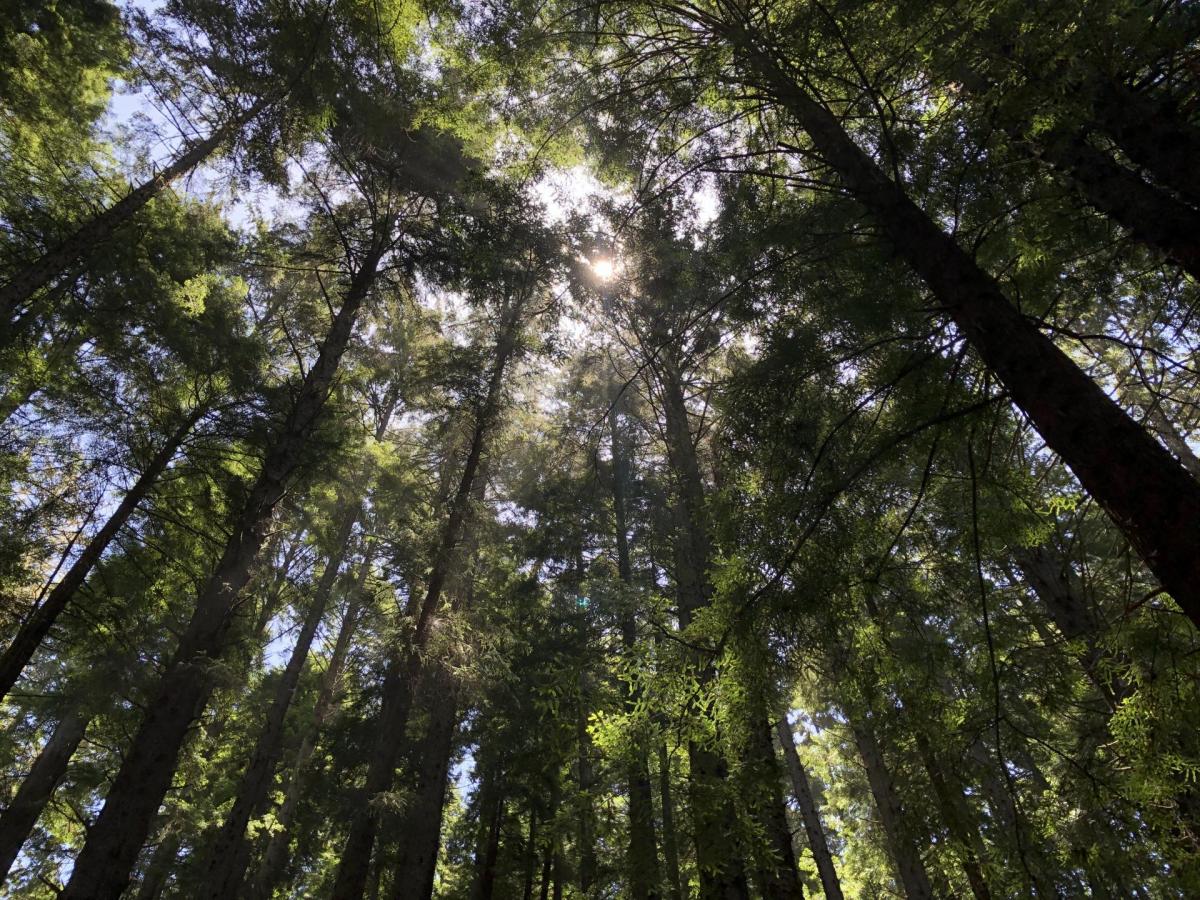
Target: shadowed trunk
{"x":162,"y":862}
{"x":103,"y":866}
{"x":722,"y":868}
{"x":271,"y":867}
{"x":642,"y":855}
{"x":670,"y":836}
{"x":809,"y":813}
{"x":1148,"y":494}
{"x":39,"y":622}
{"x":487,"y":849}
{"x":778,"y":876}
{"x":38,"y":786}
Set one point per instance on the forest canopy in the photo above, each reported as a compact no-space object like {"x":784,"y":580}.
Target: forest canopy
{"x":642,"y":449}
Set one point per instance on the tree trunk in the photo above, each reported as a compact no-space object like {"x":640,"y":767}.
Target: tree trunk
{"x":642,"y":855}
{"x":230,"y":852}
{"x":403,"y":671}
{"x":722,"y":869}
{"x":778,"y":876}
{"x":97,"y":231}
{"x":36,"y":789}
{"x":39,"y":621}
{"x":271,"y":867}
{"x":585,"y":779}
{"x":809,"y":813}
{"x":103,"y":866}
{"x":670,"y":837}
{"x":907,"y":856}
{"x":162,"y":862}
{"x":487,"y":850}
{"x":1148,"y":494}
{"x":417,"y":861}
{"x":530,"y":853}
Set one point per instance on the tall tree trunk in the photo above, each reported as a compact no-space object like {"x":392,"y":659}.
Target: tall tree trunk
{"x":954,"y":812}
{"x":642,"y":855}
{"x":103,"y":866}
{"x":230,"y":852}
{"x":1174,"y":441}
{"x":404,"y":668}
{"x":35,"y":791}
{"x":101,"y":228}
{"x":39,"y":622}
{"x":271,"y":867}
{"x":722,"y":868}
{"x":421,"y":835}
{"x":670,"y":835}
{"x":584,"y":780}
{"x":487,"y":849}
{"x":778,"y":876}
{"x":530,"y":852}
{"x":809,"y":813}
{"x":906,"y":855}
{"x":1148,"y":494}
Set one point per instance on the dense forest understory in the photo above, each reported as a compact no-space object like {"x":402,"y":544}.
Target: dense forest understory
{"x":649,"y":449}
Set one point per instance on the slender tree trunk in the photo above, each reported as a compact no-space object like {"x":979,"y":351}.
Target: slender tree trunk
{"x":35,"y":791}
{"x":487,"y":850}
{"x":642,"y":855}
{"x":530,"y":853}
{"x":585,"y":779}
{"x":404,"y":669}
{"x":809,"y":813}
{"x":162,"y":862}
{"x":417,"y":860}
{"x":230,"y":852}
{"x":271,"y":867}
{"x":722,"y":868}
{"x":1148,"y":494}
{"x":779,"y":878}
{"x":1174,"y":441}
{"x":670,"y":836}
{"x":909,"y":865}
{"x":955,"y":814}
{"x":103,"y":866}
{"x":101,"y":228}
{"x":39,"y":622}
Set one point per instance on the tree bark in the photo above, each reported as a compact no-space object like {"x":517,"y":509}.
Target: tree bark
{"x":404,"y":670}
{"x":158,"y":870}
{"x":1148,"y":494}
{"x":809,"y":813}
{"x":39,"y":622}
{"x":487,"y":850}
{"x":907,"y":857}
{"x":101,"y":228}
{"x":36,"y":789}
{"x":103,"y":866}
{"x":670,"y":836}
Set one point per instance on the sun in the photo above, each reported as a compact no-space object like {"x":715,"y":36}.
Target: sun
{"x":604,"y":268}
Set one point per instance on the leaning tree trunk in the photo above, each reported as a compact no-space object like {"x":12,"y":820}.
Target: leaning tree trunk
{"x":271,"y":867}
{"x":487,"y":849}
{"x":158,"y":870}
{"x":103,"y":866}
{"x":642,"y":855}
{"x":906,"y":855}
{"x":101,"y":228}
{"x":722,"y":868}
{"x":809,"y":813}
{"x":404,"y":669}
{"x":1148,"y":494}
{"x":39,"y":622}
{"x":35,"y":791}
{"x":230,"y":852}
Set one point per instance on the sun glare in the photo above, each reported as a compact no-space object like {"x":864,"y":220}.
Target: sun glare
{"x":604,"y":268}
